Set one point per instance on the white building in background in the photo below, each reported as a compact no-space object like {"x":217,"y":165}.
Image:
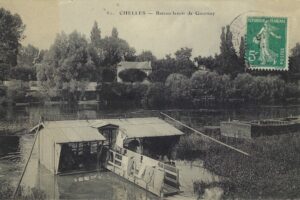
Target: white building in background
{"x":143,"y":66}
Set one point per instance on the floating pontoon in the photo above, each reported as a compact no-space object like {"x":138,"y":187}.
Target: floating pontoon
{"x":137,"y":149}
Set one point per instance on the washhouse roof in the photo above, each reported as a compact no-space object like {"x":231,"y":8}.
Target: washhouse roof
{"x":84,"y":131}
{"x":71,"y":131}
{"x":140,"y":127}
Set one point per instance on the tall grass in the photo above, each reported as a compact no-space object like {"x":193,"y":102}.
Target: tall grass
{"x":25,"y":193}
{"x":272,"y":170}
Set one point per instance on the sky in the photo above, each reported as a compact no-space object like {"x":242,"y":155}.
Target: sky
{"x":161,"y":34}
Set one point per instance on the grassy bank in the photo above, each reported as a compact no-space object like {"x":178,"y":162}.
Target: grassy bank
{"x":272,"y":170}
{"x":7,"y":190}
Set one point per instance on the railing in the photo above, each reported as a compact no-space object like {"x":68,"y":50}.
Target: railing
{"x":171,"y":174}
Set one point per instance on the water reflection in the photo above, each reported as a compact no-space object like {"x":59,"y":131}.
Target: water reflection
{"x":97,"y":185}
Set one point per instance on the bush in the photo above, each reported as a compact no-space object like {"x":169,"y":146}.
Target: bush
{"x":132,"y":75}
{"x":260,"y":89}
{"x":178,"y":87}
{"x":23,"y":73}
{"x":192,"y":146}
{"x":155,"y":96}
{"x":159,"y":75}
{"x":109,"y":74}
{"x":272,"y":170}
{"x":205,"y":83}
{"x":118,"y":93}
{"x":17,"y":91}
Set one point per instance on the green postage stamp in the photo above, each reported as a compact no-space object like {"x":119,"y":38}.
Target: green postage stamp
{"x":266,"y":43}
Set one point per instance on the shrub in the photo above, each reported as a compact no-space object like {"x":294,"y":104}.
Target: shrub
{"x":132,"y":75}
{"x":270,"y":172}
{"x":17,"y":91}
{"x":155,"y":96}
{"x":178,"y":87}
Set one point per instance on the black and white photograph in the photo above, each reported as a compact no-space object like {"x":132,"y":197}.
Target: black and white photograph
{"x":149,"y":99}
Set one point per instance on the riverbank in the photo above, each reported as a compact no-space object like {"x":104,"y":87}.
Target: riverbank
{"x":271,"y":170}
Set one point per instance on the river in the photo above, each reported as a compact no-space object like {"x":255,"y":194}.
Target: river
{"x":14,"y":151}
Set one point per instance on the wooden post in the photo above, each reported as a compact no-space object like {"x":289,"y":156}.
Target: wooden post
{"x":24,"y":170}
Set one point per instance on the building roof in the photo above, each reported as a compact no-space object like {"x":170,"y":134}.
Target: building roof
{"x":140,"y":127}
{"x":71,"y":131}
{"x":91,"y":86}
{"x":135,"y":65}
{"x":84,"y":131}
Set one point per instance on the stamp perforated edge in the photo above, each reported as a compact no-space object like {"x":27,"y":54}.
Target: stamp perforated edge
{"x":269,"y":68}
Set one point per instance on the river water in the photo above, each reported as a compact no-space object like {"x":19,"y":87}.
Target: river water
{"x":14,"y":152}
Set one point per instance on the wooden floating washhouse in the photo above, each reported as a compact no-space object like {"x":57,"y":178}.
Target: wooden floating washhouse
{"x":137,"y":149}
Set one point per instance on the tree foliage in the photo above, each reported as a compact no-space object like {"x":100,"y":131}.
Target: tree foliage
{"x":29,"y":55}
{"x":114,"y":33}
{"x":4,"y":71}
{"x":95,"y":35}
{"x":228,"y":61}
{"x":115,"y":50}
{"x":155,"y":96}
{"x":11,"y":34}
{"x":146,"y":56}
{"x":132,"y":75}
{"x":66,"y":64}
{"x":179,"y":91}
{"x":181,"y":64}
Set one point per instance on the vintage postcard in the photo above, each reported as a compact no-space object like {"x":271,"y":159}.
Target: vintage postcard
{"x":148,"y":99}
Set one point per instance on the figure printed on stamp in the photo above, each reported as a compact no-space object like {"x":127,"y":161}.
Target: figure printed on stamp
{"x":267,"y":55}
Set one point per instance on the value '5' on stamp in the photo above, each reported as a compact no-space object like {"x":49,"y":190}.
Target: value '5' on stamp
{"x":266,"y":43}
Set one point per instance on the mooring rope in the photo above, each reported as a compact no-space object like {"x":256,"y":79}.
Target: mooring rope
{"x":211,"y":138}
{"x":24,"y":170}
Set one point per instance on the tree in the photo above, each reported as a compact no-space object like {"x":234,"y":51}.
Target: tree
{"x":27,"y":73}
{"x":159,"y":75}
{"x":184,"y":64}
{"x":266,"y":89}
{"x":243,"y":84}
{"x":96,"y":53}
{"x":114,"y":33}
{"x":17,"y":91}
{"x":178,"y":86}
{"x":181,"y":64}
{"x":66,"y":65}
{"x":203,"y":83}
{"x":227,"y":61}
{"x":4,"y":71}
{"x":155,"y":96}
{"x":162,"y":68}
{"x":183,"y":54}
{"x":11,"y":37}
{"x":95,"y":35}
{"x":146,"y":56}
{"x":132,"y":75}
{"x":109,"y":74}
{"x":206,"y":62}
{"x":28,"y":56}
{"x":294,"y":66}
{"x":115,"y":50}
{"x":242,"y":52}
